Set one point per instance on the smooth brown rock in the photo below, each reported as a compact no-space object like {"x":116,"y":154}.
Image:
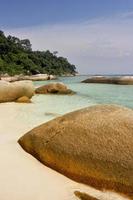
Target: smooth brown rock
{"x":23,"y":99}
{"x":93,"y":145}
{"x":12,"y":91}
{"x":54,"y":88}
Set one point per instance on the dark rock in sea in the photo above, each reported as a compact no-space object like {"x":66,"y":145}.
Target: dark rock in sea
{"x":54,"y":88}
{"x":52,"y":114}
{"x":93,"y":145}
{"x":123,"y":80}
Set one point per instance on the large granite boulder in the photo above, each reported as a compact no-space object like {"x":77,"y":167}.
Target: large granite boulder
{"x":13,"y":91}
{"x":92,"y":145}
{"x":53,"y":88}
{"x":120,"y":80}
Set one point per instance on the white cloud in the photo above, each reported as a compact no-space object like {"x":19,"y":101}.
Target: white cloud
{"x":127,"y":15}
{"x":103,"y":45}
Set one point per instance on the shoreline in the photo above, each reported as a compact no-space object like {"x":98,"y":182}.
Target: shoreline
{"x":46,"y":77}
{"x":37,"y":77}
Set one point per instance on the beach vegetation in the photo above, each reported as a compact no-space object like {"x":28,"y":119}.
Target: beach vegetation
{"x":17,"y":57}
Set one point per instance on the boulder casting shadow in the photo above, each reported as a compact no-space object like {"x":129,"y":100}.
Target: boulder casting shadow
{"x":93,"y":145}
{"x":84,"y":196}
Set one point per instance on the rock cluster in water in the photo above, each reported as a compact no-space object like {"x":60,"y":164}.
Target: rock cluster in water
{"x":93,"y":145}
{"x":121,"y":80}
{"x":22,"y":91}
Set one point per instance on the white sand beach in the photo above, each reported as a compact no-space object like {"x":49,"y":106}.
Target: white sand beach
{"x":22,"y":177}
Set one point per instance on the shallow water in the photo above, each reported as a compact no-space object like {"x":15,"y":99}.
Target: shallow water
{"x":47,"y":107}
{"x":90,"y":94}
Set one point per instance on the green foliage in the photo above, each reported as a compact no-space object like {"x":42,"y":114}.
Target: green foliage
{"x":17,"y":57}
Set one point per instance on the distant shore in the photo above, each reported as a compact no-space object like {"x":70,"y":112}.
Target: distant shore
{"x":38,"y":77}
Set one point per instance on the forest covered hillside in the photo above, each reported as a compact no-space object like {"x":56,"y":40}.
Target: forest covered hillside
{"x":17,"y":57}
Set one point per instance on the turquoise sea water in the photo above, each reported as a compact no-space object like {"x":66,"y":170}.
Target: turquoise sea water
{"x":47,"y":107}
{"x":90,"y":94}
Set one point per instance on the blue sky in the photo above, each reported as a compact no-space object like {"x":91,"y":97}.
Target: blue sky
{"x":95,"y":35}
{"x":22,"y":13}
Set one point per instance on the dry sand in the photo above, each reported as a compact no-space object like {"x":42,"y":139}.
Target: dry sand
{"x":22,"y":177}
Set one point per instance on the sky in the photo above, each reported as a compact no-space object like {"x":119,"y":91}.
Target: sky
{"x":95,"y":35}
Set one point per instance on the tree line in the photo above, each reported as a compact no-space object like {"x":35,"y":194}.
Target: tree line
{"x":17,"y":57}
